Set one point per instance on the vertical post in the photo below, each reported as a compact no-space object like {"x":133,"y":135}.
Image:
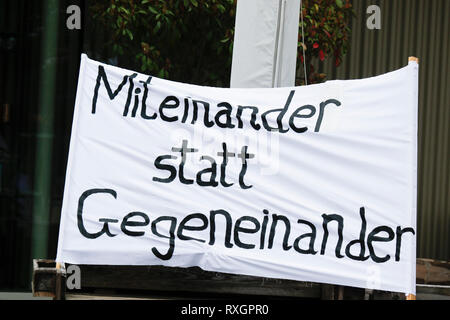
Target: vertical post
{"x":341,"y":293}
{"x":60,"y":284}
{"x":265,"y":43}
{"x":327,"y":292}
{"x":412,"y":296}
{"x":44,"y":141}
{"x":414,"y":59}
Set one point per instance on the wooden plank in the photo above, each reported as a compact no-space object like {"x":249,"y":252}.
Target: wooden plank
{"x":96,"y":296}
{"x":433,"y":292}
{"x":187,"y":281}
{"x":333,"y":292}
{"x":154,"y":281}
{"x":159,"y":278}
{"x":48,"y":280}
{"x":328,"y":292}
{"x":430,"y":271}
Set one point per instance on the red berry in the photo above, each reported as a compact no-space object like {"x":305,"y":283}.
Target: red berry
{"x":321,"y":55}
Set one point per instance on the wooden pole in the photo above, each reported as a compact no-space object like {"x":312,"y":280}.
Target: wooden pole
{"x":413,"y":59}
{"x":412,"y":296}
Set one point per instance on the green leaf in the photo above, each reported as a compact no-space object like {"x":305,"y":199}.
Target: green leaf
{"x":130,"y":35}
{"x":124,"y":10}
{"x":157,"y":27}
{"x":339,"y":3}
{"x":161,"y":72}
{"x":152,"y":10}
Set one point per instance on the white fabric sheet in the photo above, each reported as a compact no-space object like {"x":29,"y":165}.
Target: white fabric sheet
{"x":327,"y":191}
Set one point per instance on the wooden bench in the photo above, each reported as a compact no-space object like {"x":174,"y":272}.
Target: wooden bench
{"x":158,"y":282}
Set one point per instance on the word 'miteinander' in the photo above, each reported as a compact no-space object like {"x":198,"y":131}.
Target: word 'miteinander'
{"x":224,"y":114}
{"x":264,"y":231}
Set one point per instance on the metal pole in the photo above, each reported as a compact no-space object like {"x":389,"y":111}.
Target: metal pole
{"x":44,"y":141}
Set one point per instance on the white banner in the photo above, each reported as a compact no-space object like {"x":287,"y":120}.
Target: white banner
{"x":313,"y":183}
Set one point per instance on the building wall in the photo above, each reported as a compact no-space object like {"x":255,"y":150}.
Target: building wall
{"x":413,"y":28}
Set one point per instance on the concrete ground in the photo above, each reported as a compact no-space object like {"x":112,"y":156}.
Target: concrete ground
{"x":20,"y":296}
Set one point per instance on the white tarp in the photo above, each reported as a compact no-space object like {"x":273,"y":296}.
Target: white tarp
{"x":265,"y":43}
{"x":314,"y":183}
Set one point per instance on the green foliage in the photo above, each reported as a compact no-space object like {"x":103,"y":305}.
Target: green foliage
{"x":184,"y":40}
{"x":326,"y":24}
{"x":192,"y":40}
